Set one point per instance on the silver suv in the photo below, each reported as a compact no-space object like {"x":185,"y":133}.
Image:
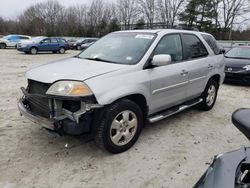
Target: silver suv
{"x":122,"y":81}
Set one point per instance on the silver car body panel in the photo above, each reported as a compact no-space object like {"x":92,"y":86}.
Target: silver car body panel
{"x":162,"y":87}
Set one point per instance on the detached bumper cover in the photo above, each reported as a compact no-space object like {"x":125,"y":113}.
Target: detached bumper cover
{"x":44,"y":122}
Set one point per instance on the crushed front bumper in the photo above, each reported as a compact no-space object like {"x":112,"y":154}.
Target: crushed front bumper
{"x":73,"y":116}
{"x":44,"y":122}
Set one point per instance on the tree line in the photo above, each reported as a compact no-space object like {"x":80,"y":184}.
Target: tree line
{"x":222,"y":18}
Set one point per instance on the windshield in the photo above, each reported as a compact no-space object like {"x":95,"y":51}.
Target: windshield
{"x":80,"y":40}
{"x":120,"y":48}
{"x":241,"y":53}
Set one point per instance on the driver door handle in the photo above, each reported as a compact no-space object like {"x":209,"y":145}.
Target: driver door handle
{"x":210,"y":66}
{"x":184,"y":72}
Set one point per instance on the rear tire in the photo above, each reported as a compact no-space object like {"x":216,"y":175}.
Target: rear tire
{"x":119,"y":127}
{"x":2,"y":46}
{"x":33,"y":51}
{"x":62,"y":50}
{"x":209,"y":96}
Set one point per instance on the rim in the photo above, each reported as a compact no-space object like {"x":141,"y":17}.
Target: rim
{"x":62,"y":50}
{"x":211,"y":95}
{"x":33,"y":51}
{"x":123,"y":128}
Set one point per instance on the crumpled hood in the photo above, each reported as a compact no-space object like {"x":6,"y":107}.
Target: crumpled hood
{"x":71,"y":69}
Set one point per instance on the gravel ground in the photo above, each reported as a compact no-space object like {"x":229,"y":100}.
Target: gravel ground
{"x":171,"y":153}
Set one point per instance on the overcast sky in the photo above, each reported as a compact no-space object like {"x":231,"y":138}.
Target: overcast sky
{"x":12,"y":8}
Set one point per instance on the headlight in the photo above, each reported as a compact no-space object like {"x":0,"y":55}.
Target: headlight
{"x":69,"y":88}
{"x":247,"y":67}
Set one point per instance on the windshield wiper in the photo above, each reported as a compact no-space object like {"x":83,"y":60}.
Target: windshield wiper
{"x":100,"y":59}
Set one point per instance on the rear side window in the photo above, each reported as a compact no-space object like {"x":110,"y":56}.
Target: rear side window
{"x":54,"y":40}
{"x":171,"y":45}
{"x":193,"y":47}
{"x":212,"y":43}
{"x":62,"y":40}
{"x":23,"y":37}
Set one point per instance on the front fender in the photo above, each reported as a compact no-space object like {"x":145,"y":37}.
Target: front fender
{"x":121,"y":92}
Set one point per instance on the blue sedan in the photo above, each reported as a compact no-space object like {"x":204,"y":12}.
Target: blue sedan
{"x":43,"y":44}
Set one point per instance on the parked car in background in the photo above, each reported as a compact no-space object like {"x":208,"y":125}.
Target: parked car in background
{"x":44,"y":44}
{"x":77,"y":45}
{"x":12,"y":40}
{"x":71,"y":42}
{"x":237,"y":67}
{"x":122,"y":81}
{"x":86,"y":45}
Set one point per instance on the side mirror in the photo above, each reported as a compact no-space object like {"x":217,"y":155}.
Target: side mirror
{"x":161,"y":60}
{"x":222,"y":51}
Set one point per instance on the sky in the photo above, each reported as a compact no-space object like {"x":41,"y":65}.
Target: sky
{"x":10,"y":9}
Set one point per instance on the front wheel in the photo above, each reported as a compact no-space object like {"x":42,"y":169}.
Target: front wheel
{"x":33,"y":51}
{"x":78,"y":47}
{"x":209,"y":96}
{"x":120,"y":126}
{"x":2,"y":46}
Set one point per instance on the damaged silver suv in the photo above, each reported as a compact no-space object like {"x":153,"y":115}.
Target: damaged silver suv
{"x":122,"y":81}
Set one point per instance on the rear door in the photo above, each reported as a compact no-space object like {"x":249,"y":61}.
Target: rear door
{"x":195,"y":54}
{"x":168,"y":83}
{"x":54,"y":45}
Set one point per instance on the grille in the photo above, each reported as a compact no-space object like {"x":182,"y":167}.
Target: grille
{"x":38,"y":105}
{"x":35,"y":87}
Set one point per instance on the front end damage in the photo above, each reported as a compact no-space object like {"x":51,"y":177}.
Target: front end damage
{"x":70,"y":115}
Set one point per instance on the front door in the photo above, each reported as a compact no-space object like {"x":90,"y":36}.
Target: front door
{"x":168,"y":83}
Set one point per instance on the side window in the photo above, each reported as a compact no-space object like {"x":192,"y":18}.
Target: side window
{"x":212,"y":43}
{"x":54,"y":40}
{"x":170,"y":44}
{"x":61,"y":40}
{"x":193,"y":47}
{"x":23,"y":37}
{"x":46,"y":41}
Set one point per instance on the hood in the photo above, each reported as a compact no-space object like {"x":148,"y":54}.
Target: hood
{"x":71,"y":69}
{"x":231,"y":62}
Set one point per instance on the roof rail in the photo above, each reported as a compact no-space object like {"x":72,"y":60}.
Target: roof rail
{"x":158,"y":25}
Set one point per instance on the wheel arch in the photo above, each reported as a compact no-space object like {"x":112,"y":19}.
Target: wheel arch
{"x":216,"y":78}
{"x":140,"y":100}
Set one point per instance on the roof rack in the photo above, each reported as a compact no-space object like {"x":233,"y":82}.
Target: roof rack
{"x":158,"y":25}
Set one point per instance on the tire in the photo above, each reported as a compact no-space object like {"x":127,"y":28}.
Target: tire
{"x":119,"y":127}
{"x":78,"y":47}
{"x":2,"y":46}
{"x":54,"y":52}
{"x":33,"y":50}
{"x":209,"y":96}
{"x":62,"y":50}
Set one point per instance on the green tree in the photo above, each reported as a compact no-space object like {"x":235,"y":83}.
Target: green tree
{"x":200,"y":14}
